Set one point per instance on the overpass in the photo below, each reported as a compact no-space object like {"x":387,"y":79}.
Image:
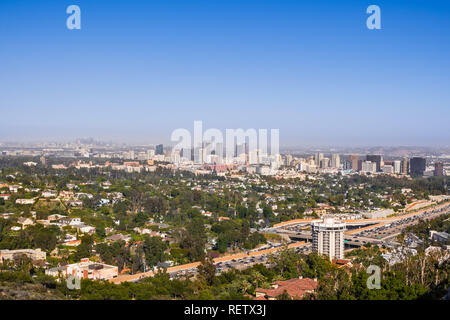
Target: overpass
{"x":363,"y":221}
{"x":348,"y":240}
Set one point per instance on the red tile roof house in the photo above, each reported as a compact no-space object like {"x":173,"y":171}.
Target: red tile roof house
{"x":5,"y":196}
{"x":296,"y":288}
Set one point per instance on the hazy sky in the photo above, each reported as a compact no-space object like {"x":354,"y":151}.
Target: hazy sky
{"x":137,"y":70}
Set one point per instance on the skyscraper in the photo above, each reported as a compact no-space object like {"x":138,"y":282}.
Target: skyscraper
{"x":317,"y":158}
{"x":347,"y":165}
{"x":328,"y":238}
{"x":335,"y":161}
{"x":417,"y":166}
{"x":404,"y":169}
{"x":375,"y":158}
{"x":369,"y":166}
{"x":150,"y":154}
{"x":438,"y":169}
{"x":288,"y":159}
{"x":354,"y":161}
{"x":159,"y":149}
{"x":324,"y":163}
{"x":397,"y":166}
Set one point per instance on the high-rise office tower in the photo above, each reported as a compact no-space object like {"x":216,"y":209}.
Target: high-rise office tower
{"x":397,"y":166}
{"x":328,"y":238}
{"x":335,"y":161}
{"x":438,"y":169}
{"x":289,"y":159}
{"x":159,"y":149}
{"x":240,"y":149}
{"x":369,"y":166}
{"x":150,"y":154}
{"x":324,"y":163}
{"x":375,"y":158}
{"x":347,"y":165}
{"x":318,"y":158}
{"x":354,"y":161}
{"x":417,"y":166}
{"x":404,"y":169}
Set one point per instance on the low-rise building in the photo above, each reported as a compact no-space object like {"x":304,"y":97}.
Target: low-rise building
{"x":5,"y":196}
{"x":25,"y":221}
{"x":85,"y":269}
{"x":118,"y":237}
{"x":33,"y":254}
{"x":25,"y":201}
{"x":6,"y":215}
{"x":439,"y":236}
{"x":49,"y":194}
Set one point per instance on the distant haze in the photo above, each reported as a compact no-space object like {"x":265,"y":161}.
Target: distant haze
{"x":138,"y":70}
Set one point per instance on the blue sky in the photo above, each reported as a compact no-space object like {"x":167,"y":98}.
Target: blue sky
{"x":137,"y":70}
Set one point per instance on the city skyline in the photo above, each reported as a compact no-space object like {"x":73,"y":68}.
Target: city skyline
{"x":135,"y":72}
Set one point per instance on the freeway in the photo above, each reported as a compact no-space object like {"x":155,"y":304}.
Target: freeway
{"x":245,"y":259}
{"x":377,"y":233}
{"x":365,"y":221}
{"x":190,"y":267}
{"x":390,"y":230}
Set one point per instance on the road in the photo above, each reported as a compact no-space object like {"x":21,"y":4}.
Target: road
{"x":362,"y":221}
{"x":380,"y":231}
{"x":239,"y":260}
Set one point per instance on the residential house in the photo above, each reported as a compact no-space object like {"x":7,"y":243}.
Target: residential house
{"x":118,"y":237}
{"x":54,"y":217}
{"x":49,"y":194}
{"x":86,"y":229}
{"x":14,"y":188}
{"x":25,"y":201}
{"x":5,"y":196}
{"x":25,"y":222}
{"x":72,"y":243}
{"x":74,"y":203}
{"x":66,"y":195}
{"x":70,"y":221}
{"x":296,"y":288}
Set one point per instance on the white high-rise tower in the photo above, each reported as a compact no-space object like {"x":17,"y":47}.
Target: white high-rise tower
{"x":328,"y":238}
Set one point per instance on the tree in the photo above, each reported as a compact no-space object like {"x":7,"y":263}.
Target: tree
{"x":194,"y":239}
{"x":154,"y":250}
{"x":285,"y":265}
{"x":207,"y":271}
{"x":84,"y":250}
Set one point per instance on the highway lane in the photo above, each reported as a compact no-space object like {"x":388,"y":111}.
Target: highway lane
{"x":365,"y":221}
{"x":244,"y":259}
{"x":191,"y":267}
